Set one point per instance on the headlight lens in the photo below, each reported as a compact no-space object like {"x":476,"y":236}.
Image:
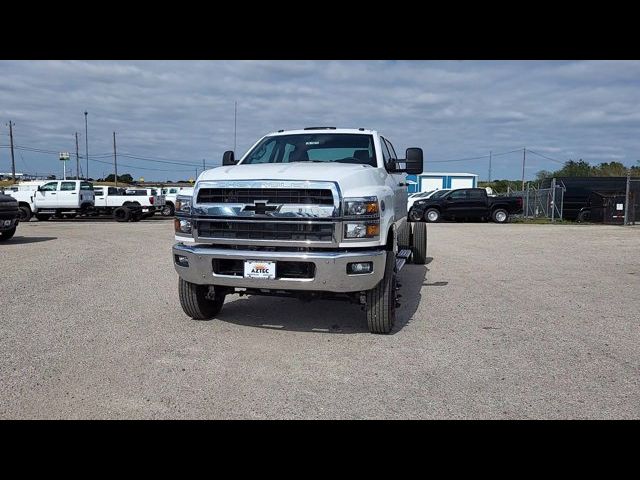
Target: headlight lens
{"x":183,"y":203}
{"x":182,"y":225}
{"x":355,"y":207}
{"x":361,"y":230}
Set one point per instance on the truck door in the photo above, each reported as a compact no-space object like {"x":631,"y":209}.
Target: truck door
{"x":456,"y":204}
{"x":478,"y":203}
{"x":68,"y":195}
{"x":395,"y":180}
{"x":47,"y":196}
{"x":101,"y":195}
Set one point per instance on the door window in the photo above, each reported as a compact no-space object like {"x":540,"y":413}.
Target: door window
{"x":476,"y":195}
{"x":49,"y":187}
{"x":458,"y":195}
{"x":68,"y":186}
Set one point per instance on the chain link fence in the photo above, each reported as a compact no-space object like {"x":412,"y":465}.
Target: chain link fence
{"x":632,"y":201}
{"x":542,"y":202}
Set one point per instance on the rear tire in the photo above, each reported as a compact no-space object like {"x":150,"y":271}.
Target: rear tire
{"x":419,"y":243}
{"x":404,"y":236}
{"x":500,"y":215}
{"x":122,"y":214}
{"x":381,"y":300}
{"x":43,"y":217}
{"x":195,"y":303}
{"x":25,"y":214}
{"x":7,"y":234}
{"x":432,"y":215}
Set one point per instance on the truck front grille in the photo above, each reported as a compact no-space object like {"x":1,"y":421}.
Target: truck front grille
{"x":220,"y":229}
{"x":283,"y":196}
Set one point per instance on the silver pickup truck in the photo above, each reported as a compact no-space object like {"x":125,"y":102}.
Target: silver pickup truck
{"x":312,"y":213}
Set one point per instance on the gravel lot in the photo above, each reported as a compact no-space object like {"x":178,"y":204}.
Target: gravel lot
{"x":506,"y":321}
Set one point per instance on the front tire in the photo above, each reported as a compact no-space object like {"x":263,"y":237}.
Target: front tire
{"x":432,"y":215}
{"x":168,"y":210}
{"x":500,"y":215}
{"x":195,"y":302}
{"x":381,"y":300}
{"x":7,"y":234}
{"x":415,"y":215}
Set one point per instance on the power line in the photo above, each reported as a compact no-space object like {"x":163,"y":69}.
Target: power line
{"x":474,"y":158}
{"x":544,"y":156}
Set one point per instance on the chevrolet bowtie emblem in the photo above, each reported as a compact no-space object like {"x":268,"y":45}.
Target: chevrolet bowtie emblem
{"x":260,"y":208}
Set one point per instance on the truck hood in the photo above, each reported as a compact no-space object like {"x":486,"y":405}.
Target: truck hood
{"x":348,"y":176}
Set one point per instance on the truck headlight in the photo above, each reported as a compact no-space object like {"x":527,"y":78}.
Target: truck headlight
{"x":361,"y":230}
{"x":182,"y":225}
{"x":355,"y":207}
{"x":183,"y":203}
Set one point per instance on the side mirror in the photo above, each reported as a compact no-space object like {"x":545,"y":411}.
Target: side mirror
{"x":414,"y":161}
{"x":229,"y":158}
{"x":39,"y":188}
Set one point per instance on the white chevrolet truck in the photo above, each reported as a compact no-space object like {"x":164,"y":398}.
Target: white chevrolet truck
{"x":313,"y":213}
{"x":57,"y":198}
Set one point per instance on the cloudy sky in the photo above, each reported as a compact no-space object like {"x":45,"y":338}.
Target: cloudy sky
{"x":183,"y":111}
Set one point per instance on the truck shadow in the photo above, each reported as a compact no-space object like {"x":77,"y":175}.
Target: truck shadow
{"x":320,"y":316}
{"x":22,"y":240}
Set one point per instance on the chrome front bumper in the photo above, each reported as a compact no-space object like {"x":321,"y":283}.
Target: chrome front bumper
{"x":330,"y":269}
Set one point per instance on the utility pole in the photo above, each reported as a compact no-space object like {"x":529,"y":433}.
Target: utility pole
{"x":77,"y":159}
{"x":86,"y":140}
{"x":524,"y":159}
{"x":235,"y":124}
{"x":13,"y":160}
{"x":115,"y":158}
{"x":490,"y":153}
{"x":204,"y":167}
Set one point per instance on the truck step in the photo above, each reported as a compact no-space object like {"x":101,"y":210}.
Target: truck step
{"x":401,"y":258}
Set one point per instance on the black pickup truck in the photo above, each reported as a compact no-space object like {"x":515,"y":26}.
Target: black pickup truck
{"x":463,"y":204}
{"x":9,"y":214}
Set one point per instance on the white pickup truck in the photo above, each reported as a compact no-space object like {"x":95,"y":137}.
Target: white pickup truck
{"x":313,"y":213}
{"x":58,"y":198}
{"x":127,"y":204}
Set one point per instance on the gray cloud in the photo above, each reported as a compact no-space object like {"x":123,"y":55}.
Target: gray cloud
{"x":183,"y":110}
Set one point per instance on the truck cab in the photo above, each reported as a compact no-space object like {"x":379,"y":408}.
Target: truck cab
{"x":313,"y":213}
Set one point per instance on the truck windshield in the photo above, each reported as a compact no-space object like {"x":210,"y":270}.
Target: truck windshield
{"x":314,"y":147}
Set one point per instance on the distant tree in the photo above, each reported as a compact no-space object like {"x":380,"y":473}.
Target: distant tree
{"x":542,"y":174}
{"x":613,"y":169}
{"x":572,"y":168}
{"x":125,"y":178}
{"x":51,"y":177}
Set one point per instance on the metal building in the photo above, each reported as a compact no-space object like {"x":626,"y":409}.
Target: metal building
{"x":438,"y":180}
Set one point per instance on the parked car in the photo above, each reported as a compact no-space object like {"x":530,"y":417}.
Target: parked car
{"x":57,"y":198}
{"x":310,"y":214}
{"x":464,"y":204}
{"x":9,"y":217}
{"x":424,"y":195}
